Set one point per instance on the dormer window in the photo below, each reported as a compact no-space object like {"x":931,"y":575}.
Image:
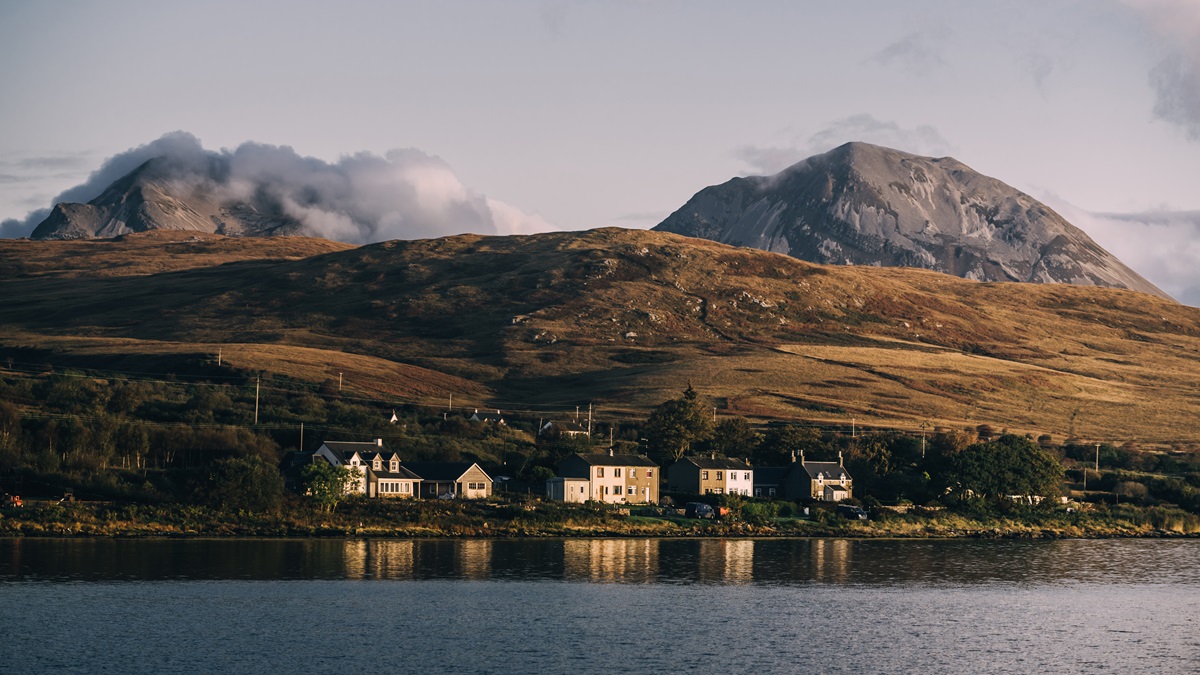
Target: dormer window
{"x":395,"y":466}
{"x":377,"y":465}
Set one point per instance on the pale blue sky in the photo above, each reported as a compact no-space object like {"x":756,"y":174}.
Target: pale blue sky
{"x":615,"y":113}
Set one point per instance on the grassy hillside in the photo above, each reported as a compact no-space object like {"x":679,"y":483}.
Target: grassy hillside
{"x":622,"y":317}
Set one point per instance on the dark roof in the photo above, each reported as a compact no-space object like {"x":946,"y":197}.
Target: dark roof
{"x":836,"y":486}
{"x":719,"y":463}
{"x":440,"y":471}
{"x":385,"y":455}
{"x":605,"y":459}
{"x":402,"y":474}
{"x":486,"y":416}
{"x":564,"y":426}
{"x":828,"y":468}
{"x":771,"y":475}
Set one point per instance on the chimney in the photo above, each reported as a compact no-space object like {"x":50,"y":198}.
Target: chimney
{"x":712,"y":455}
{"x":839,"y":457}
{"x":379,"y":442}
{"x":801,"y":458}
{"x":610,"y":452}
{"x":793,"y":457}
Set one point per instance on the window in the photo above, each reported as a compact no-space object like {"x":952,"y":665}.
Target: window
{"x":703,"y":475}
{"x":475,"y":486}
{"x":770,"y":492}
{"x":395,"y":466}
{"x":757,"y":492}
{"x":377,"y":465}
{"x":719,"y":491}
{"x":633,"y":473}
{"x":720,"y":475}
{"x":747,"y":476}
{"x":406,"y":487}
{"x":599,"y":472}
{"x":632,"y":490}
{"x":649,"y":473}
{"x":617,"y":472}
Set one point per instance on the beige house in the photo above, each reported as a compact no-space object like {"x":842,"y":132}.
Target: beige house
{"x":822,"y":481}
{"x":380,"y":472}
{"x":451,"y":480}
{"x":611,"y":478}
{"x":711,"y":475}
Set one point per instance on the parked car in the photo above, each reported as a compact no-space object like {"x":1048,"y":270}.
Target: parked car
{"x":851,"y":512}
{"x":13,"y":501}
{"x":699,"y":510}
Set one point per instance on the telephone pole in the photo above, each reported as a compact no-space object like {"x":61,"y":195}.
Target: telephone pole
{"x":1097,"y":458}
{"x":339,"y":381}
{"x":257,"y":383}
{"x":302,"y":437}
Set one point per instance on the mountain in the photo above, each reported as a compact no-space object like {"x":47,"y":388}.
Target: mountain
{"x":621,"y":318}
{"x":159,"y":196}
{"x":861,"y":204}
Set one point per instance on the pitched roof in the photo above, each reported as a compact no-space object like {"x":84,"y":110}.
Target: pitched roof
{"x":719,"y":463}
{"x":770,"y":475}
{"x":440,"y":471}
{"x":564,"y":426}
{"x":827,"y":468}
{"x":402,"y":474}
{"x":605,"y":459}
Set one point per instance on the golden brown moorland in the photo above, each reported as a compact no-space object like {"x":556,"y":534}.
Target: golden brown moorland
{"x":622,"y":317}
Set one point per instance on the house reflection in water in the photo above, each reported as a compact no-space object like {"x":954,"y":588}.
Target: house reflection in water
{"x":621,"y":560}
{"x":726,"y":560}
{"x":379,"y":559}
{"x":474,"y":557}
{"x":831,"y":560}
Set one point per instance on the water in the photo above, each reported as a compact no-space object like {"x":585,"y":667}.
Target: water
{"x":585,"y":606}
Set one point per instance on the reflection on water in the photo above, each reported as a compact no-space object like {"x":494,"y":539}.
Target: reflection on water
{"x":721,"y":561}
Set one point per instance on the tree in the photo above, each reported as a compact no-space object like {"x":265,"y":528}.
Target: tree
{"x":245,"y":483}
{"x":734,"y":437}
{"x":676,"y":424}
{"x":784,"y":442}
{"x":1010,"y":465}
{"x":326,"y":484}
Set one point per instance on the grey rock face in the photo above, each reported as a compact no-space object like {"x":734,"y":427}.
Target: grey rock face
{"x":156,"y":197}
{"x":861,"y":204}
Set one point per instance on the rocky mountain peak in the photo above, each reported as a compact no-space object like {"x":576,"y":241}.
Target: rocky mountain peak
{"x":863,"y":204}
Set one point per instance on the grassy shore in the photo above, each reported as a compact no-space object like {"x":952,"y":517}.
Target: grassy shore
{"x":536,"y":518}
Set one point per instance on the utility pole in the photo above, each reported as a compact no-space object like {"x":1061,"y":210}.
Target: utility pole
{"x":924,"y":425}
{"x":576,"y":414}
{"x":1097,"y":458}
{"x":450,"y":407}
{"x":302,"y":437}
{"x":589,"y":420}
{"x":714,"y":414}
{"x":339,"y":381}
{"x":218,"y":356}
{"x":257,"y":383}
{"x":853,"y":428}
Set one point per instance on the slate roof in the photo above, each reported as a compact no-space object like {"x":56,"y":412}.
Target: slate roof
{"x":830,"y":469}
{"x":403,"y":474}
{"x":605,"y":459}
{"x":770,"y":475}
{"x":719,"y":463}
{"x":440,"y":471}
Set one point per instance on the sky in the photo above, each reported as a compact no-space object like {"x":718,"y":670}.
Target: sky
{"x":517,"y":116}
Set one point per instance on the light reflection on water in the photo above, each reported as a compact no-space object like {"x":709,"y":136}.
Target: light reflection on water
{"x":719,"y":561}
{"x":595,"y":605}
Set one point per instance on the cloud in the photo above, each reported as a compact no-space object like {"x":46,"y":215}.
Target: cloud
{"x":919,"y":51}
{"x":1175,"y":24}
{"x":361,"y":198}
{"x":769,"y":159}
{"x":1162,"y":246}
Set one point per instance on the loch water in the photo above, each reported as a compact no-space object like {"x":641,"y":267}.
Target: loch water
{"x":598,"y":605}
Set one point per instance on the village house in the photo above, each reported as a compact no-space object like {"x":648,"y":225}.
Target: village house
{"x":605,"y":477}
{"x":711,"y":475}
{"x":380,"y":470}
{"x":489,"y":417}
{"x":447,"y":480}
{"x":563,"y":428}
{"x":819,"y":481}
